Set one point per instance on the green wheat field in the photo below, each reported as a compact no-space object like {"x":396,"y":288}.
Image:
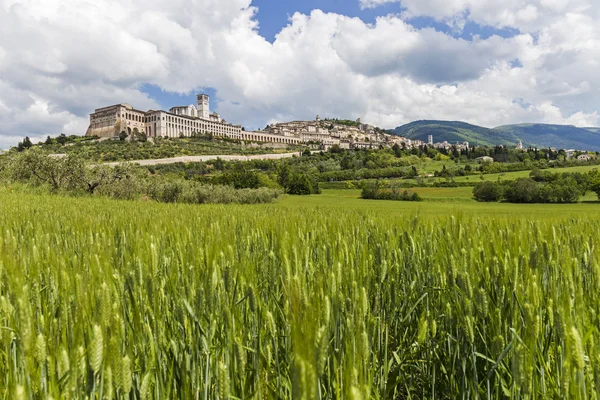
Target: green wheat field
{"x":104,"y":299}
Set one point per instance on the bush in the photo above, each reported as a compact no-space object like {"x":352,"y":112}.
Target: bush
{"x":70,"y":175}
{"x":523,"y":190}
{"x":488,"y":192}
{"x":218,"y":194}
{"x":527,"y":190}
{"x":239,"y":179}
{"x":302,"y":184}
{"x":375,"y":192}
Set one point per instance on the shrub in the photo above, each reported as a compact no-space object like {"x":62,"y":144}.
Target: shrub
{"x":219,"y":194}
{"x":239,"y":179}
{"x":301,"y":184}
{"x":527,"y":190}
{"x":523,"y":190}
{"x":488,"y":192}
{"x":375,"y":192}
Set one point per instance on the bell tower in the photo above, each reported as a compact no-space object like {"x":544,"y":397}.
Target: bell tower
{"x":203,"y":106}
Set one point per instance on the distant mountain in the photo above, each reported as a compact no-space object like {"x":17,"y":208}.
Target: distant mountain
{"x":536,"y":135}
{"x":597,"y":130}
{"x":454,"y":131}
{"x":559,"y":136}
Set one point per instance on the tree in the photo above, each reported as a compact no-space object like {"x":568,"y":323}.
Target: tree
{"x":335,"y":149}
{"x":488,"y":192}
{"x":239,"y":179}
{"x":347,"y":162}
{"x":283,"y":174}
{"x":62,"y":139}
{"x":595,"y":186}
{"x":522,"y":190}
{"x":301,"y":184}
{"x":48,"y":140}
{"x":58,"y":172}
{"x":27,"y":142}
{"x":219,"y":164}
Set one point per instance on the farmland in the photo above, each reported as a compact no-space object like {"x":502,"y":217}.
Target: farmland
{"x":312,"y":297}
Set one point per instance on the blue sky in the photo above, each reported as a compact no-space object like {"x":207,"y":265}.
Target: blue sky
{"x":273,"y":16}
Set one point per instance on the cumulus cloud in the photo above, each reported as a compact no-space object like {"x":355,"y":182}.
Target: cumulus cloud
{"x":60,"y":59}
{"x":526,"y":15}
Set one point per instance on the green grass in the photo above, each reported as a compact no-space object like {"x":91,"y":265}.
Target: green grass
{"x":437,"y":201}
{"x":116,"y":150}
{"x":518,"y":174}
{"x":319,"y":297}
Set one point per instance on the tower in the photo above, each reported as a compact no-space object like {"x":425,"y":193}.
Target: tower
{"x":203,"y":106}
{"x":430,"y":140}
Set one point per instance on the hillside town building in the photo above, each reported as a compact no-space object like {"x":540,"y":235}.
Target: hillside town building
{"x":196,"y":119}
{"x":179,"y":121}
{"x":187,"y":121}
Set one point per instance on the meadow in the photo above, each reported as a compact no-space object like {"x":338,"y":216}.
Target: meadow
{"x":505,"y":176}
{"x":327,"y":297}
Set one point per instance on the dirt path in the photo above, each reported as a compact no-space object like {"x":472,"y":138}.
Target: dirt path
{"x":191,"y":159}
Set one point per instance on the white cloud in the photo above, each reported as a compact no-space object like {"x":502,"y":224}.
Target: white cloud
{"x":60,"y":59}
{"x":526,"y":15}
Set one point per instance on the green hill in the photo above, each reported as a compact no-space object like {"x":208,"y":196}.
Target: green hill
{"x":536,"y":135}
{"x":454,"y":131}
{"x":108,"y":150}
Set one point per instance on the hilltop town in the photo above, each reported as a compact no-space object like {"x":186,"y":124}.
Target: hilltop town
{"x":124,"y":121}
{"x":195,"y":119}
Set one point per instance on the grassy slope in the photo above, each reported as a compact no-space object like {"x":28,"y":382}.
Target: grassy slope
{"x":112,"y":150}
{"x":518,"y":174}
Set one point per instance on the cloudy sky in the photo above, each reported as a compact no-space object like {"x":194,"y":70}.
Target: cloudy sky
{"x":389,"y":62}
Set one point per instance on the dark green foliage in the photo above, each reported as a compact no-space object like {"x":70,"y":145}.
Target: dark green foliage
{"x":62,"y":139}
{"x":239,"y":178}
{"x":301,"y":184}
{"x":27,"y":142}
{"x":219,"y":164}
{"x":296,"y":182}
{"x":527,"y":190}
{"x":335,"y":149}
{"x":523,"y":190}
{"x":375,"y":192}
{"x":139,"y":147}
{"x":488,"y":192}
{"x":70,"y":175}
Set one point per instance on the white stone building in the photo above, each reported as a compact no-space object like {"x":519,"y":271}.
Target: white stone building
{"x":178,"y":121}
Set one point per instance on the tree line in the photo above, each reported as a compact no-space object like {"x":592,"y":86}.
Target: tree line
{"x":540,"y":187}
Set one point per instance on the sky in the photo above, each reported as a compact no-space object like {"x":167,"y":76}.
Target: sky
{"x":388,"y":62}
